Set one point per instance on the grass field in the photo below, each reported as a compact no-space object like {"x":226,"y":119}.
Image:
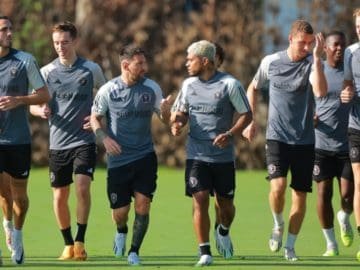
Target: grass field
{"x":170,"y":242}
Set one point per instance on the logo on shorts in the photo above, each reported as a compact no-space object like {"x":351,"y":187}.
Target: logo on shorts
{"x":52,"y":177}
{"x":271,"y":168}
{"x":113,"y":198}
{"x":231,"y":192}
{"x":354,"y":152}
{"x":316,"y":170}
{"x":90,"y":170}
{"x":193,"y":181}
{"x":25,"y":173}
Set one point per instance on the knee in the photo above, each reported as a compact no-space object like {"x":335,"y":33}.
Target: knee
{"x":21,"y":202}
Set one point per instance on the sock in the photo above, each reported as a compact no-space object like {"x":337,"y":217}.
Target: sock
{"x":17,"y":234}
{"x":8,"y":224}
{"x":223,"y":230}
{"x":205,"y":248}
{"x":343,"y":216}
{"x":80,"y":234}
{"x":140,"y":226}
{"x":216,"y":225}
{"x":330,"y":237}
{"x":122,"y":229}
{"x":68,"y":239}
{"x":278,"y":220}
{"x":290,"y":241}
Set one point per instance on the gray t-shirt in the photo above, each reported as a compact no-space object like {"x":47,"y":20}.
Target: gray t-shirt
{"x":291,"y":100}
{"x":210,"y":105}
{"x":333,"y":116}
{"x":19,"y":75}
{"x":352,"y":73}
{"x":128,"y":111}
{"x":71,"y":91}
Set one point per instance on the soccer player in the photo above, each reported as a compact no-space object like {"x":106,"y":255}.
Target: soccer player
{"x":290,"y":129}
{"x":331,"y":147}
{"x":71,"y":80}
{"x":208,"y":101}
{"x":127,"y":103}
{"x":352,"y":79}
{"x":21,"y":85}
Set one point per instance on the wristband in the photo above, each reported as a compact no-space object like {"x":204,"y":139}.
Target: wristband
{"x":229,"y":134}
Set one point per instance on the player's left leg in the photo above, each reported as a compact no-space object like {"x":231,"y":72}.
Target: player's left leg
{"x":6,"y":203}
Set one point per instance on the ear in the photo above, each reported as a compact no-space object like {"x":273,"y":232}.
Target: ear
{"x":124,"y":64}
{"x":290,"y":38}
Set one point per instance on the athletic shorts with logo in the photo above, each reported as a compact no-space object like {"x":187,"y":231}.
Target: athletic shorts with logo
{"x":64,"y":163}
{"x":299,"y":159}
{"x":15,"y":160}
{"x":354,"y":145}
{"x":137,"y":176}
{"x":218,"y":178}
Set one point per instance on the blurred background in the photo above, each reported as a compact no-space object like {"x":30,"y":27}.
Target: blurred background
{"x":247,"y":30}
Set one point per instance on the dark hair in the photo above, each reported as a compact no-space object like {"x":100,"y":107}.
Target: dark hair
{"x":219,"y":52}
{"x":3,"y":17}
{"x":335,"y":33}
{"x":127,"y":52}
{"x":66,"y":27}
{"x":301,"y":26}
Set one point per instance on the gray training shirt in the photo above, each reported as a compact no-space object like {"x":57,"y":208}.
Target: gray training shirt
{"x":352,"y":73}
{"x":333,"y":116}
{"x":211,"y":106}
{"x":71,"y":91}
{"x":19,"y":75}
{"x":291,"y":100}
{"x":128,"y":111}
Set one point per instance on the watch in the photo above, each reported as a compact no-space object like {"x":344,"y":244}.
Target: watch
{"x":229,"y":134}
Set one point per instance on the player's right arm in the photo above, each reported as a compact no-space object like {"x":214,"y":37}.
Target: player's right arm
{"x":251,"y":130}
{"x":179,"y":113}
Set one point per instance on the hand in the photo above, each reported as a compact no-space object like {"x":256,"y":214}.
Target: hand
{"x":176,"y":128}
{"x":222,"y":140}
{"x":86,"y":124}
{"x":166,"y":104}
{"x":250,"y":131}
{"x":316,"y":120}
{"x":111,"y":146}
{"x":347,"y":94}
{"x":8,"y":102}
{"x":319,"y":45}
{"x":44,"y":111}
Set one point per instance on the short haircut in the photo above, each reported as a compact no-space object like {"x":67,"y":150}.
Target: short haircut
{"x":3,"y":17}
{"x":301,"y":26}
{"x":335,"y":33}
{"x":66,"y":27}
{"x":203,"y":48}
{"x":129,"y":51}
{"x":220,"y":52}
{"x":356,"y":12}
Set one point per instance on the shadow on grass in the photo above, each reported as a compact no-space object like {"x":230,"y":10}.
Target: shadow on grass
{"x":104,"y":262}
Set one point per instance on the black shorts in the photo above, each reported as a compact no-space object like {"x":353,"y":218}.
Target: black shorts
{"x":16,"y":160}
{"x":77,"y":160}
{"x":218,"y":178}
{"x":330,"y":164}
{"x":354,"y":145}
{"x":137,"y":176}
{"x":280,"y":157}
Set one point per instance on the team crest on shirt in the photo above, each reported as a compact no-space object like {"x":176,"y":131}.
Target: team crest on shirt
{"x":113,"y":197}
{"x":354,"y":152}
{"x":316,"y":170}
{"x":83,"y":81}
{"x":271,"y":169}
{"x":14,"y":71}
{"x":145,"y":98}
{"x":193,"y":181}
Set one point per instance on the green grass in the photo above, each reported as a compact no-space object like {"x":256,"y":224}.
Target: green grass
{"x":170,"y":242}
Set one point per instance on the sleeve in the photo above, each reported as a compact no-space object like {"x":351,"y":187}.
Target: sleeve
{"x":36,"y":81}
{"x":99,"y":78}
{"x":181,"y":104}
{"x":101,"y":101}
{"x":261,"y":76}
{"x":348,"y":73}
{"x":238,"y":97}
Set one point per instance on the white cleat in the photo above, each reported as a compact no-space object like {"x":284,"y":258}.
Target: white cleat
{"x":119,"y":244}
{"x":17,"y":254}
{"x":275,"y":241}
{"x":8,"y":235}
{"x":205,"y":260}
{"x":346,"y":231}
{"x":223,"y":244}
{"x":290,"y":255}
{"x":133,"y":259}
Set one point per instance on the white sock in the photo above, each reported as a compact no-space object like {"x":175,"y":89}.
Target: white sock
{"x":290,"y":241}
{"x":343,"y":216}
{"x":7,"y":224}
{"x":330,"y":237}
{"x":17,"y":235}
{"x":278,"y":220}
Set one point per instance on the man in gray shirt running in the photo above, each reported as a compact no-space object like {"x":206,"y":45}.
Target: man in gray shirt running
{"x":290,"y":129}
{"x":21,"y":85}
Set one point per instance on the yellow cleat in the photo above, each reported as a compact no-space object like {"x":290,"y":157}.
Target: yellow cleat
{"x":68,"y":253}
{"x":331,"y":253}
{"x":346,"y":232}
{"x":79,"y":251}
{"x":358,"y":255}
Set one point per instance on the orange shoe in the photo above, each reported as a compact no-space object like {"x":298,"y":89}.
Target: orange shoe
{"x":68,"y":253}
{"x":79,"y":251}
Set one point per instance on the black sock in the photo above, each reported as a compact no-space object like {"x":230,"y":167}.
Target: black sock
{"x":205,"y":249}
{"x":122,"y":229}
{"x":141,"y":224}
{"x":68,"y":239}
{"x":223,"y":231}
{"x":134,"y":249}
{"x":80,"y":235}
{"x":216,"y":225}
